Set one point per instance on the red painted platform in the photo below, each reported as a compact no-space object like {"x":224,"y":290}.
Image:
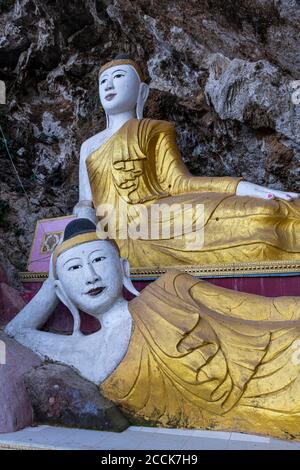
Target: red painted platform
{"x":271,"y":286}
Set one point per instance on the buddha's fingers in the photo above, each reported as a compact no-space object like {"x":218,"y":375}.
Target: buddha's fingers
{"x":294,"y":195}
{"x":285,"y":196}
{"x":272,"y":193}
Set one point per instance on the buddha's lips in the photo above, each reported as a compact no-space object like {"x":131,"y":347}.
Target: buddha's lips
{"x":110,"y":96}
{"x":95,"y":291}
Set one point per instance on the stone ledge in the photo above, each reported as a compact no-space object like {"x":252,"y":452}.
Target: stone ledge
{"x":134,"y":438}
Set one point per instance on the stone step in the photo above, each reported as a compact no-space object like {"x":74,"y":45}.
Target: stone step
{"x":137,"y":438}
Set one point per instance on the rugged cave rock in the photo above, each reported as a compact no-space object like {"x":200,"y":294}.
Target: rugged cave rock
{"x":223,"y":72}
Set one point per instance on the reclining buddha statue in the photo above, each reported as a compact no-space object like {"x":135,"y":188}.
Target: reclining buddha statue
{"x":183,"y":353}
{"x":135,"y":161}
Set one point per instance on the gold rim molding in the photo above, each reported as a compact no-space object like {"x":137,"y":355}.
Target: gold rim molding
{"x":212,"y":270}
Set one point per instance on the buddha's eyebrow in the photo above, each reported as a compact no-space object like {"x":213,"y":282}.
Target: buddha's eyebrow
{"x":71,"y":259}
{"x":119,"y":70}
{"x":95,"y":251}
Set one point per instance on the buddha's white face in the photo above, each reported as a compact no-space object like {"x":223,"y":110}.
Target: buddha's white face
{"x":119,"y":88}
{"x":91,"y":275}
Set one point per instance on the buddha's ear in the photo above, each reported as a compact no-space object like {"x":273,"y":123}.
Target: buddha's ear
{"x":142,"y":98}
{"x":127,"y":283}
{"x":65,"y":299}
{"x":144,"y":91}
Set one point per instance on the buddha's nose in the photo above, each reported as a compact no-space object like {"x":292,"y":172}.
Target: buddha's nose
{"x":109,"y":84}
{"x":91,"y":276}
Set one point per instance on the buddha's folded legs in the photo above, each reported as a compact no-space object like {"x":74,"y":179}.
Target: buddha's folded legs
{"x":234,"y":229}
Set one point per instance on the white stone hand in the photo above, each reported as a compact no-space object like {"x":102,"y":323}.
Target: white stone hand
{"x":51,"y":277}
{"x":35,"y":314}
{"x":85,"y":210}
{"x":245,"y":188}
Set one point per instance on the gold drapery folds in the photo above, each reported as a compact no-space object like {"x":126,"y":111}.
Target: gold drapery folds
{"x":141,"y":165}
{"x":201,"y":356}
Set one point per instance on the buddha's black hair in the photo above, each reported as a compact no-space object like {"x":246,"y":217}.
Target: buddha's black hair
{"x":77,"y":227}
{"x":81,"y":226}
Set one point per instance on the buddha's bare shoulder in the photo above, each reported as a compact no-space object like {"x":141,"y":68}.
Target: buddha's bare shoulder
{"x":93,"y":143}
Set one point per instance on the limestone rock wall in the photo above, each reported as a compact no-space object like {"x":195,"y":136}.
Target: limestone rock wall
{"x":224,"y":72}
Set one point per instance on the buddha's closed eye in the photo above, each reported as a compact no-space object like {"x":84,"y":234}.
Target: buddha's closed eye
{"x":74,"y":267}
{"x":118,"y":75}
{"x":98,"y":259}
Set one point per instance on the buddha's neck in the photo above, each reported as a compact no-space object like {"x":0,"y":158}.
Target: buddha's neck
{"x":116,"y":121}
{"x":117,"y":313}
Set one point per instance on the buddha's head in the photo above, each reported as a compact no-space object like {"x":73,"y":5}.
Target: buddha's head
{"x":90,"y":272}
{"x":122,"y":87}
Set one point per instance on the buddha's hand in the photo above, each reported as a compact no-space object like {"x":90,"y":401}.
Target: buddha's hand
{"x":35,"y":314}
{"x":250,"y":189}
{"x":85,"y":210}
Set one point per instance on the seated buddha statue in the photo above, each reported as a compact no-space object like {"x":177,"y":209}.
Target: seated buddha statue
{"x":136,"y":162}
{"x":183,"y":353}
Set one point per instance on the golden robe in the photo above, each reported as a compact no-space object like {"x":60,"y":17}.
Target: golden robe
{"x":141,"y":164}
{"x":202,"y":356}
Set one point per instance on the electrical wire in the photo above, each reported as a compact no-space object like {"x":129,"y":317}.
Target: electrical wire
{"x":19,"y":181}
